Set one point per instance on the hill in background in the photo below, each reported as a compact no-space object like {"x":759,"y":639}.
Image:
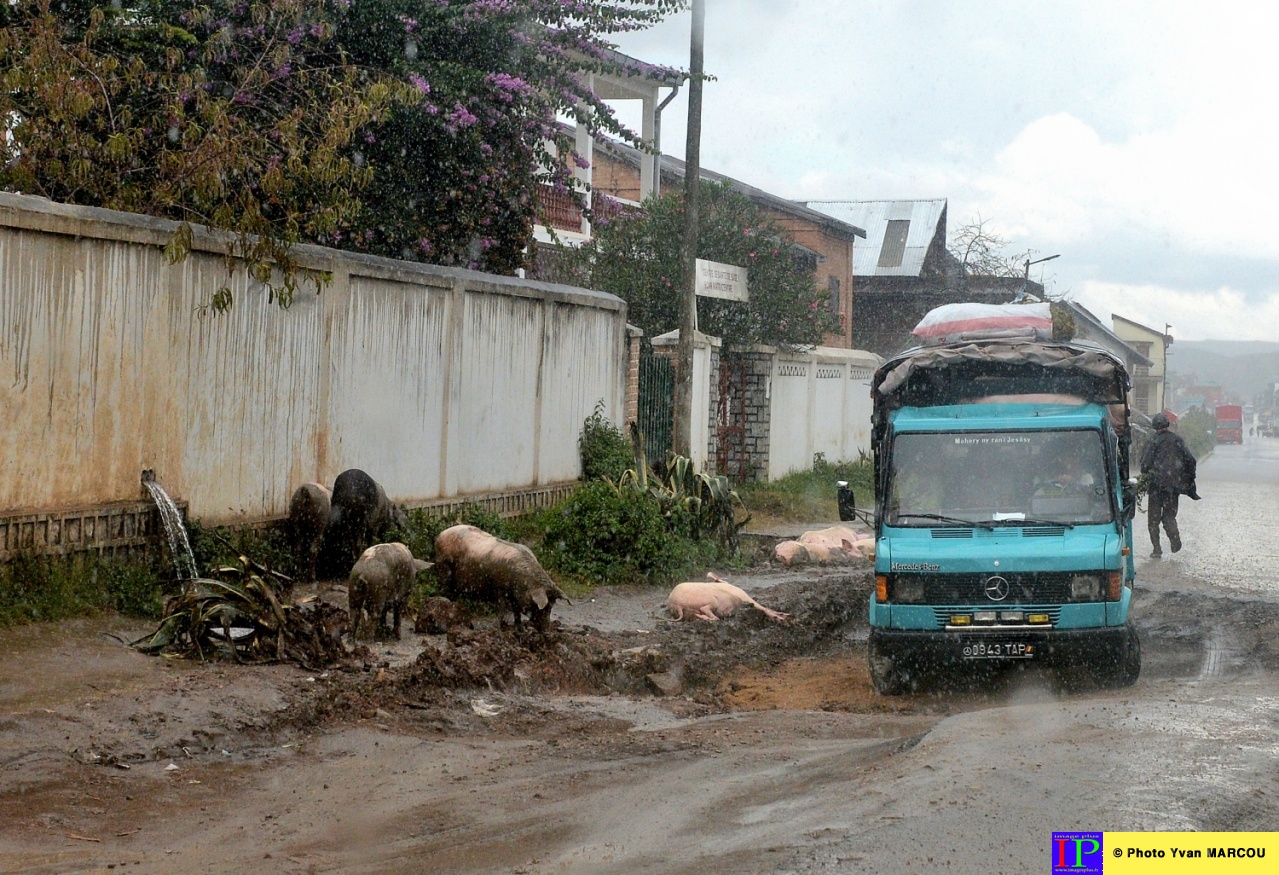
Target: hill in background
{"x":1243,"y":367}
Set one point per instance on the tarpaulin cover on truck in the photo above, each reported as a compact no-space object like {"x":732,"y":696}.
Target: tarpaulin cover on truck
{"x":963,"y":372}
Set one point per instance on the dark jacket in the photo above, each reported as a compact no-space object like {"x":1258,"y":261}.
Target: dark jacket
{"x":1170,"y":464}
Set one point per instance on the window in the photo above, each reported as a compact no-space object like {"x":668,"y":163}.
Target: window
{"x":894,"y":248}
{"x":833,"y":284}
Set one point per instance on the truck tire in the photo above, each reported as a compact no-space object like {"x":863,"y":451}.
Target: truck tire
{"x":885,"y":673}
{"x":1126,"y":671}
{"x":1131,"y":669}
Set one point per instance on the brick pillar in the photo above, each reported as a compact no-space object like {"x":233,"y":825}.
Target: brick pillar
{"x":758,"y":412}
{"x":631,"y":412}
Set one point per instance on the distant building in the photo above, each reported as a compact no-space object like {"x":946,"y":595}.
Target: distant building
{"x":1149,"y":384}
{"x":903,"y":270}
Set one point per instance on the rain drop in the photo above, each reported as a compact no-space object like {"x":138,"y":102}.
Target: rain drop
{"x":410,"y":48}
{"x":173,"y":133}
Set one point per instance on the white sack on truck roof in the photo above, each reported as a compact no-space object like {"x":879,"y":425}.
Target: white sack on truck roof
{"x":952,"y":322}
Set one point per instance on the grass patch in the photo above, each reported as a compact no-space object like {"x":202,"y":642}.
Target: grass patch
{"x":807,"y":496}
{"x":35,"y":589}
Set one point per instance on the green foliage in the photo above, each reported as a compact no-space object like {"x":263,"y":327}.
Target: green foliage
{"x":613,"y":536}
{"x":694,"y":503}
{"x":636,"y":256}
{"x":606,"y":452}
{"x":224,"y":545}
{"x":245,"y":597}
{"x":425,"y":526}
{"x":418,"y":129}
{"x":37,"y":589}
{"x":810,"y":496}
{"x":1198,"y":428}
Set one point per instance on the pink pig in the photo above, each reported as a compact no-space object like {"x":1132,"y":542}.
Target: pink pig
{"x":712,"y":599}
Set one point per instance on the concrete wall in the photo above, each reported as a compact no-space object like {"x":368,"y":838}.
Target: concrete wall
{"x":819,"y":403}
{"x":440,"y":383}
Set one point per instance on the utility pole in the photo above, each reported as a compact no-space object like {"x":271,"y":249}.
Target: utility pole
{"x":682,"y":431}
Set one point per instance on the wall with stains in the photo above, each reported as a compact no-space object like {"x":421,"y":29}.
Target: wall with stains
{"x":440,"y":383}
{"x":819,"y":403}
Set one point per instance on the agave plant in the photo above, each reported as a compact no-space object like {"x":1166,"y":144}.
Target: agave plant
{"x":239,"y":614}
{"x":709,"y":499}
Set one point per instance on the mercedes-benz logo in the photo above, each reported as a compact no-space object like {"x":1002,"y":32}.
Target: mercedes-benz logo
{"x":996,"y":588}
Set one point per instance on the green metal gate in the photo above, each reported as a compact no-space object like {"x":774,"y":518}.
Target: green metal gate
{"x":656,"y":404}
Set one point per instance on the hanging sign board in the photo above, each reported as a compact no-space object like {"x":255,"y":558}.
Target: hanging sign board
{"x":715,"y":280}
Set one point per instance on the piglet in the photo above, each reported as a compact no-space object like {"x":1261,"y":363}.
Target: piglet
{"x":712,"y":599}
{"x":381,"y":581}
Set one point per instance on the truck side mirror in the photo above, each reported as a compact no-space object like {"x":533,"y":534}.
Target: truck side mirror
{"x":1130,"y":499}
{"x":846,"y":500}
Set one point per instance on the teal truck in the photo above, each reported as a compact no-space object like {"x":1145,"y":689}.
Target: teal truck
{"x":1003,"y":511}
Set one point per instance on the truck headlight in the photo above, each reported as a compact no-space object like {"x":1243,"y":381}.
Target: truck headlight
{"x":909,"y":590}
{"x":1085,"y":588}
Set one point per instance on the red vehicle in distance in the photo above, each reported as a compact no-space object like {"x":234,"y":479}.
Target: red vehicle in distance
{"x":1229,"y":424}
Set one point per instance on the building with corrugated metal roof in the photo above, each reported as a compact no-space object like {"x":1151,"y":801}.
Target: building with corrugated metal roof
{"x":903,"y":270}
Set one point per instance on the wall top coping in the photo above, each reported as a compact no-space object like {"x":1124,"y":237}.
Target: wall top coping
{"x":634,"y":330}
{"x":821,"y":354}
{"x":33,"y":213}
{"x":700,"y":341}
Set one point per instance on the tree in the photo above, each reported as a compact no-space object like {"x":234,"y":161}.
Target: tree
{"x":419,"y":129}
{"x":980,"y":251}
{"x":636,"y":256}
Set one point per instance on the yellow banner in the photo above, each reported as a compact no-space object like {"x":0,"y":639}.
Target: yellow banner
{"x":1186,"y":853}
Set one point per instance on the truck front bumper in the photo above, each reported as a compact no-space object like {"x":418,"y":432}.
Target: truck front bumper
{"x":1057,"y":647}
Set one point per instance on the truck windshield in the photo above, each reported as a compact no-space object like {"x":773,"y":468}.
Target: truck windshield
{"x":1000,"y":478}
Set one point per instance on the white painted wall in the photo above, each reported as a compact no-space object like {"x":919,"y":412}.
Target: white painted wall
{"x":437,"y":382}
{"x":819,"y":403}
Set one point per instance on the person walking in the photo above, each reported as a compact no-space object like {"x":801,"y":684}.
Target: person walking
{"x":1170,"y":470}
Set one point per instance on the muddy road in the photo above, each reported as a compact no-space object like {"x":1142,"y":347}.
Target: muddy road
{"x":624,"y":743}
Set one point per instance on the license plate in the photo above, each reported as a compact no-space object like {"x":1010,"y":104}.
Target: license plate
{"x":998,"y":650}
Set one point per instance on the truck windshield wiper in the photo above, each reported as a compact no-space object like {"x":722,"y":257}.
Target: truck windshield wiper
{"x":1028,"y":521}
{"x":945,"y":519}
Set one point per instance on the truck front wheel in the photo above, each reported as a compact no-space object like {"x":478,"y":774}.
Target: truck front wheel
{"x":1127,"y":669}
{"x":886,"y":673}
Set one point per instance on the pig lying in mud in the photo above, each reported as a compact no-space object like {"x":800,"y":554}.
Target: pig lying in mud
{"x":832,"y":546}
{"x":713,"y":599}
{"x":381,"y":581}
{"x":308,"y":518}
{"x":471,"y":563}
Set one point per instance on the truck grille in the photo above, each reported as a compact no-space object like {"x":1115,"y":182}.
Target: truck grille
{"x":1036,"y":588}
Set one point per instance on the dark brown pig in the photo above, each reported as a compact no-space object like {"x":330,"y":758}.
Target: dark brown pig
{"x":381,"y":581}
{"x":471,"y":563}
{"x":361,"y":515}
{"x":308,"y":518}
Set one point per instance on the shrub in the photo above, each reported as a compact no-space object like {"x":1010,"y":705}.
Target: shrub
{"x":614,"y":536}
{"x":606,"y":452}
{"x":43,"y":588}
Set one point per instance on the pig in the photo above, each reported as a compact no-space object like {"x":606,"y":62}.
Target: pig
{"x":834,"y":544}
{"x":791,"y":553}
{"x":471,"y":563}
{"x":713,"y":599}
{"x":308,"y":518}
{"x":361,"y":515}
{"x":381,"y":581}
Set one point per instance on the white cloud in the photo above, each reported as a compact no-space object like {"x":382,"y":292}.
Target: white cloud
{"x":1193,"y":314}
{"x":1135,"y":139}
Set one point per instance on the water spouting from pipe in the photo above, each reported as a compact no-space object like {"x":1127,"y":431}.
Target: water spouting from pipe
{"x":174,"y":529}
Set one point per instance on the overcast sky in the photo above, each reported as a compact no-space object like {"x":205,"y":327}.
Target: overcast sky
{"x":1136,"y":139}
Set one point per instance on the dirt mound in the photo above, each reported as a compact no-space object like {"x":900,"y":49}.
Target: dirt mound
{"x":676,"y":658}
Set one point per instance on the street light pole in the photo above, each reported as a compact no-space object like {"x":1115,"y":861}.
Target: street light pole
{"x":682,"y":428}
{"x":1037,"y":261}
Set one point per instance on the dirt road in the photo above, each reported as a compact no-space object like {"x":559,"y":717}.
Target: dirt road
{"x":625,"y":743}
